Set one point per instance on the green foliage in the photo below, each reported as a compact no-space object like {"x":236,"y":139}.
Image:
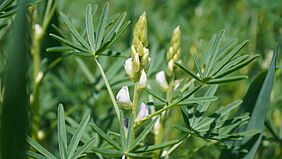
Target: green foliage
{"x":67,"y":151}
{"x":135,"y":94}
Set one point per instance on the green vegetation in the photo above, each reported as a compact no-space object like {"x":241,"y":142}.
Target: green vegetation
{"x":140,"y":79}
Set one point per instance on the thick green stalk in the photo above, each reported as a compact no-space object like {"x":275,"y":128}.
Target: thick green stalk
{"x":108,"y":88}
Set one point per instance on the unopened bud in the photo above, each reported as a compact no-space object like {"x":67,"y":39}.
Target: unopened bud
{"x":135,"y":63}
{"x":145,"y":57}
{"x":128,"y":68}
{"x":143,"y":80}
{"x":37,"y":29}
{"x":132,"y":51}
{"x":170,"y":67}
{"x":140,"y":49}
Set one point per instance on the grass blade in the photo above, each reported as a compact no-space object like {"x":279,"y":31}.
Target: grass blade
{"x":155,"y":95}
{"x":83,"y":148}
{"x":102,"y":25}
{"x":35,"y":155}
{"x":131,"y":135}
{"x":213,"y":53}
{"x":237,"y":67}
{"x":122,"y":132}
{"x":116,"y":27}
{"x":227,"y":58}
{"x":69,"y":43}
{"x":74,"y":32}
{"x":144,"y":133}
{"x":77,"y":135}
{"x":197,"y":65}
{"x":105,"y":136}
{"x":188,"y":71}
{"x":39,"y":148}
{"x":62,"y":134}
{"x":227,"y":79}
{"x":90,"y":28}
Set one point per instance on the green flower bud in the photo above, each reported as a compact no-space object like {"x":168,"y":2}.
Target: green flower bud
{"x":135,"y":63}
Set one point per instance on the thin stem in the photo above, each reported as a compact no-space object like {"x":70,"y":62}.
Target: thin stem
{"x":108,"y":88}
{"x":135,"y":99}
{"x":35,"y":52}
{"x":165,"y":108}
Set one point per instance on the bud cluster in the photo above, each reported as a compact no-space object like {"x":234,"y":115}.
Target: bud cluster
{"x":136,"y":66}
{"x":173,"y":53}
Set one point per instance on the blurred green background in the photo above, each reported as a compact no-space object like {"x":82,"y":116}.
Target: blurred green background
{"x":81,"y":89}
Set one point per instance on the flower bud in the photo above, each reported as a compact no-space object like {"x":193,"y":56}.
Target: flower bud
{"x":145,"y":57}
{"x":143,"y":112}
{"x":128,"y":68}
{"x":140,"y":49}
{"x":135,"y":63}
{"x":123,"y":98}
{"x":132,"y":51}
{"x":170,"y":67}
{"x":161,"y":80}
{"x":125,"y":121}
{"x":169,"y":55}
{"x":143,"y":80}
{"x":37,"y":29}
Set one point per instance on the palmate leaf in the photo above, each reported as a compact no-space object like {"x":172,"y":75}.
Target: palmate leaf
{"x":96,"y":41}
{"x":102,"y":24}
{"x":90,"y":27}
{"x":256,"y":103}
{"x":40,"y":149}
{"x":71,"y":151}
{"x":144,"y":133}
{"x":215,"y":126}
{"x":220,"y":63}
{"x":77,"y":135}
{"x":8,"y":9}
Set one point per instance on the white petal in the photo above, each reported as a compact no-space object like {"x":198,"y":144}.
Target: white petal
{"x":143,"y":80}
{"x":161,"y":80}
{"x":143,"y":112}
{"x":124,"y":98}
{"x":128,"y":67}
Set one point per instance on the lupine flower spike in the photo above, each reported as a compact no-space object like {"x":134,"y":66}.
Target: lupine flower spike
{"x":173,"y":53}
{"x":139,"y":53}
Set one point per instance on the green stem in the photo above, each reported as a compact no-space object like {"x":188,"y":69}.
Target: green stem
{"x":135,"y":99}
{"x":159,"y":137}
{"x":166,"y":108}
{"x":108,"y":88}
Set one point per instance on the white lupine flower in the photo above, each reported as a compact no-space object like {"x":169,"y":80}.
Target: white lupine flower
{"x":128,"y":67}
{"x":123,"y":98}
{"x":143,"y":80}
{"x":37,"y":29}
{"x":143,"y":112}
{"x":161,"y":80}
